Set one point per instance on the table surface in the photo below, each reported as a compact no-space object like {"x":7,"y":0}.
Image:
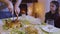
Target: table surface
{"x":31,"y":19}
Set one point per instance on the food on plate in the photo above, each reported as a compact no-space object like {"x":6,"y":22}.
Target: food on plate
{"x":16,"y":31}
{"x":13,"y":24}
{"x":31,"y":30}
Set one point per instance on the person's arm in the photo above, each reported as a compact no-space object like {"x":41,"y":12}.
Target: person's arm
{"x":8,"y":4}
{"x":17,"y":4}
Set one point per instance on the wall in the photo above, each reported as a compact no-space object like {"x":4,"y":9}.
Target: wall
{"x":58,"y":1}
{"x":46,"y":4}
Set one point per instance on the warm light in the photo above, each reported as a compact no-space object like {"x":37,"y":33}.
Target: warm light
{"x":39,"y":10}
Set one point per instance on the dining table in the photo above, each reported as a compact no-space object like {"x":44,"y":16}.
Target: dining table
{"x":32,"y":21}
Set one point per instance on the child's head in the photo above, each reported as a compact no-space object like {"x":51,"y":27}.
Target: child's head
{"x":54,"y":6}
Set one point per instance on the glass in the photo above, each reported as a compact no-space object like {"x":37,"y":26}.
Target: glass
{"x":50,"y":22}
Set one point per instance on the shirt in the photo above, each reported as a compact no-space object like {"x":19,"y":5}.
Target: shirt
{"x":55,"y":17}
{"x":49,"y":15}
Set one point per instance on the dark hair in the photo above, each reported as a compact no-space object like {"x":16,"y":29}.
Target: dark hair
{"x":57,"y":5}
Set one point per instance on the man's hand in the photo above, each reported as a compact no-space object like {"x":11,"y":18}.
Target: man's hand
{"x":10,"y":7}
{"x":17,"y":10}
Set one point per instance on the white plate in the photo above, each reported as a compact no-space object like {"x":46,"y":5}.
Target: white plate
{"x":52,"y":28}
{"x":36,"y":27}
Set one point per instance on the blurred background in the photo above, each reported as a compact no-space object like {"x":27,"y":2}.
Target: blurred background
{"x":36,"y":8}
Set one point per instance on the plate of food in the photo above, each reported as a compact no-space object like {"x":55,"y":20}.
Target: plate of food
{"x":29,"y":29}
{"x":17,"y":26}
{"x":9,"y":23}
{"x":13,"y":31}
{"x":10,"y":26}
